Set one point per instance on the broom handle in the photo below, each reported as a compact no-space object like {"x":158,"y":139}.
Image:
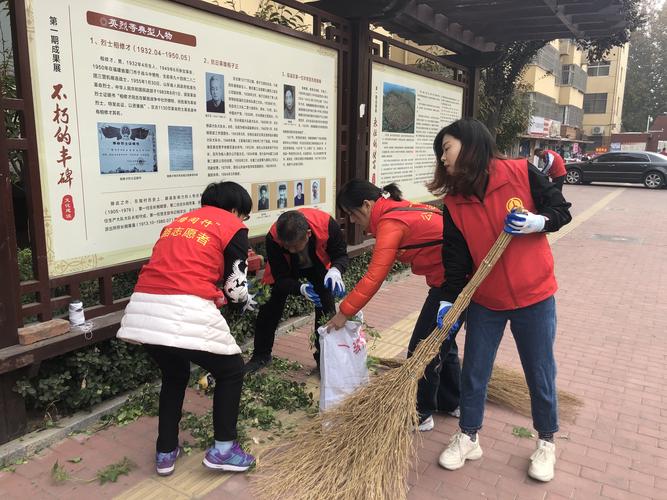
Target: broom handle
{"x":435,"y":339}
{"x":482,"y":272}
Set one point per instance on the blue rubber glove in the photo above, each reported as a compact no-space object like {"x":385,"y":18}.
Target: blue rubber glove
{"x":442,"y":311}
{"x":334,"y":282}
{"x":308,"y":291}
{"x":523,"y":222}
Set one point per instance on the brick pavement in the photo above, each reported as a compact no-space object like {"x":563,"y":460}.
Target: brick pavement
{"x":611,"y":351}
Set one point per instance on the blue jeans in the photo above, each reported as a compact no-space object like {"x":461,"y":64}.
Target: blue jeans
{"x":534,"y":331}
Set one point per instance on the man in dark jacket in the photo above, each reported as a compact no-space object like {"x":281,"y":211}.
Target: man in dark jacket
{"x":302,"y":244}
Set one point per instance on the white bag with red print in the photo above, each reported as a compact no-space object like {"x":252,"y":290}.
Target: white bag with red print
{"x":342,"y":362}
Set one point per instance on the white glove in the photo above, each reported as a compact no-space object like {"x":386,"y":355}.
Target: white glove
{"x":334,"y":282}
{"x":250,"y":304}
{"x":524,"y":223}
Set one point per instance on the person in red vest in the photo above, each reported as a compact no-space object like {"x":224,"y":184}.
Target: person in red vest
{"x":410,"y":233}
{"x":486,"y":194}
{"x":306,"y":243}
{"x":554,"y":166}
{"x":197,"y":265}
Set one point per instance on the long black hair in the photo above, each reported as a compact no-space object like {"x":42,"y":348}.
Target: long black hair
{"x":227,"y":195}
{"x":354,"y":192}
{"x":478,"y":148}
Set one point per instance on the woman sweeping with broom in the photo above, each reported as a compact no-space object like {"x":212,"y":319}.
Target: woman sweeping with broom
{"x":372,"y":426}
{"x":410,"y":233}
{"x":486,"y":194}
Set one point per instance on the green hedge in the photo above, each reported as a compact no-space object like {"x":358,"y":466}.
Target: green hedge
{"x":78,"y":380}
{"x":81,"y":379}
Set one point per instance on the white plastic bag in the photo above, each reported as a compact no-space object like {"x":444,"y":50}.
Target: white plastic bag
{"x":342,"y":362}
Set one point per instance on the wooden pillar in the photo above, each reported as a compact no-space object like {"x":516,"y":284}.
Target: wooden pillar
{"x":9,"y":269}
{"x":472,"y":101}
{"x":360,"y":111}
{"x":12,"y":407}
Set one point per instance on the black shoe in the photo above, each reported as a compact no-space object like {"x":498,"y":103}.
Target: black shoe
{"x":256,"y":363}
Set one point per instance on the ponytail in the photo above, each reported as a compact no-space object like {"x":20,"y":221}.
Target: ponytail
{"x":353,"y":193}
{"x":394,"y":192}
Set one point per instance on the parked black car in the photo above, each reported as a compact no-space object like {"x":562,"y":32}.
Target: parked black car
{"x":643,"y":167}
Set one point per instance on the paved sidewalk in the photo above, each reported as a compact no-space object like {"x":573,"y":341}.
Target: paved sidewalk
{"x":611,"y":352}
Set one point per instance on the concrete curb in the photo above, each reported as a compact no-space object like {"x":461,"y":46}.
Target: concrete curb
{"x":35,"y":441}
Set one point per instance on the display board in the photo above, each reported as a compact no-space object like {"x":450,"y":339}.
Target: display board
{"x":139,"y":105}
{"x":407,"y":112}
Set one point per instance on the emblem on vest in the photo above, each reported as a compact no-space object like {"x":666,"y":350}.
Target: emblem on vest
{"x":513,"y":203}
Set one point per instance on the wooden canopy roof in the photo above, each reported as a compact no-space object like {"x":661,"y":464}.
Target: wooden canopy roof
{"x":475,"y":26}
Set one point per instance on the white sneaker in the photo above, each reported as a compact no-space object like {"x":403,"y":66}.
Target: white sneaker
{"x":426,"y":425}
{"x":460,"y":449}
{"x":456,"y":412}
{"x":542,"y":461}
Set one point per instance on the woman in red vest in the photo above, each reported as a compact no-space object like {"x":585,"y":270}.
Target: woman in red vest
{"x":410,"y":233}
{"x":306,"y":243}
{"x":174,"y":313}
{"x":482,"y":193}
{"x":553,"y":166}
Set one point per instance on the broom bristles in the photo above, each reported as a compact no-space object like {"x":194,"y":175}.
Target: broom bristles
{"x":507,"y":387}
{"x":338,"y":454}
{"x":363,"y":447}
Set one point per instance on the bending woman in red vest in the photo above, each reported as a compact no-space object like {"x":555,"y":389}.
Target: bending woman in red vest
{"x":174,"y":313}
{"x":303,"y":244}
{"x":481,"y":190}
{"x":410,"y":233}
{"x":554,"y":166}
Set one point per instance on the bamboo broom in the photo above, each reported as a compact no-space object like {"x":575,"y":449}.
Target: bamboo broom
{"x":507,"y":387}
{"x":363,"y":447}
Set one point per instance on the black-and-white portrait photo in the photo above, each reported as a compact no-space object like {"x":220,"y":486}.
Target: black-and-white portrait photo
{"x":215,"y":93}
{"x":289,"y":102}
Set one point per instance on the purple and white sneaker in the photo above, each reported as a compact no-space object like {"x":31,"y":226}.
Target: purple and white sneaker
{"x":234,"y":460}
{"x":164,"y":462}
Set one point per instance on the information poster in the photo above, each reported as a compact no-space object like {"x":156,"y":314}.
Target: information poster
{"x":407,"y":112}
{"x":140,"y":105}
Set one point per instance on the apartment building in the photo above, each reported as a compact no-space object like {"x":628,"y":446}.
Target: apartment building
{"x":603,"y":101}
{"x":558,"y":81}
{"x":576,"y":105}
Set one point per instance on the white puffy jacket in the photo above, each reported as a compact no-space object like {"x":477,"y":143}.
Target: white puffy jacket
{"x":183,"y":321}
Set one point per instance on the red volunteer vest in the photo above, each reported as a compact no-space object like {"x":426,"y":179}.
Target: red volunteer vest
{"x":524,"y":275}
{"x":558,"y":167}
{"x":188,"y":257}
{"x":423,"y":247}
{"x":319,"y":225}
